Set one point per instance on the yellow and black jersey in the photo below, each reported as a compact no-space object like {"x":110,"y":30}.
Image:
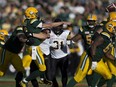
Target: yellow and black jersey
{"x":103,"y":48}
{"x":87,"y":34}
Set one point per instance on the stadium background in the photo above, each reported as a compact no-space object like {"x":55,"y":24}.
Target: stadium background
{"x":75,"y":11}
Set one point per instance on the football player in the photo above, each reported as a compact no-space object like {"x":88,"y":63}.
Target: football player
{"x":9,"y":52}
{"x":34,"y":24}
{"x":86,"y":33}
{"x":104,"y":45}
{"x":3,"y":36}
{"x":59,"y":52}
{"x":111,"y":9}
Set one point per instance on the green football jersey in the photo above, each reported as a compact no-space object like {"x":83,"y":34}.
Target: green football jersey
{"x":87,"y":35}
{"x":103,"y":48}
{"x":13,"y":44}
{"x":34,"y":26}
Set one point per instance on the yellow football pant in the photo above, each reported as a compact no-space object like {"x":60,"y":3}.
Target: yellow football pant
{"x":84,"y":68}
{"x":6,"y":58}
{"x":111,"y":64}
{"x":26,"y":61}
{"x":40,"y":62}
{"x":103,"y":70}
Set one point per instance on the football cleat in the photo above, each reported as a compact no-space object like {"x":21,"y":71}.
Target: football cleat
{"x":45,"y":81}
{"x":23,"y":84}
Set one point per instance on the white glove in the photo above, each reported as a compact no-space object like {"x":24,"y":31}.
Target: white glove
{"x":94,"y":65}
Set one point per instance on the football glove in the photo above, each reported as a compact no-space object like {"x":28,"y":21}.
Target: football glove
{"x":28,"y":34}
{"x":30,"y":41}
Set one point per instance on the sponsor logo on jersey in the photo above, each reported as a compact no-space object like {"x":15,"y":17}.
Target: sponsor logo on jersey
{"x":86,"y":32}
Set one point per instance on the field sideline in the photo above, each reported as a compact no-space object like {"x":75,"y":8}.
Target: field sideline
{"x":9,"y":81}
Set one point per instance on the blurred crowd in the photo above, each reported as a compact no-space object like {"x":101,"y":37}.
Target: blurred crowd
{"x":75,"y":11}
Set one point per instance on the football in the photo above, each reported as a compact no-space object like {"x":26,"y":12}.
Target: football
{"x":111,"y":7}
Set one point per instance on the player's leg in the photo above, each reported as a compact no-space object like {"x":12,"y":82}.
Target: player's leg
{"x":47,"y":72}
{"x":42,"y":67}
{"x":92,"y":78}
{"x":18,"y":78}
{"x":48,"y":66}
{"x":81,"y":71}
{"x":63,"y":67}
{"x":18,"y":65}
{"x":35,"y":83}
{"x":103,"y":70}
{"x":89,"y":77}
{"x":39,"y":61}
{"x":4,"y":61}
{"x":26,"y":63}
{"x":53,"y":69}
{"x":112,"y":68}
{"x":33,"y":67}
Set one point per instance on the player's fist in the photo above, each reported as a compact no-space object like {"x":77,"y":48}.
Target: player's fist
{"x":30,"y":41}
{"x":29,"y":34}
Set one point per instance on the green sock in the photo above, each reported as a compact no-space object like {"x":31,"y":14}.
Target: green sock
{"x":111,"y":81}
{"x":71,"y":83}
{"x":95,"y":79}
{"x":102,"y":81}
{"x":34,"y":74}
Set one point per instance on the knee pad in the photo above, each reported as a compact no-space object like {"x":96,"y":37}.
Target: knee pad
{"x":42,"y":67}
{"x":1,"y":73}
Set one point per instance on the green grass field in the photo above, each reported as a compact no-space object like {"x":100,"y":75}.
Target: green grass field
{"x":9,"y":81}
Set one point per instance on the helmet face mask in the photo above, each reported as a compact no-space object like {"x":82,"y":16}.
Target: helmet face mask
{"x":91,"y":23}
{"x":111,"y":27}
{"x":3,"y":34}
{"x":31,"y":13}
{"x":91,"y":20}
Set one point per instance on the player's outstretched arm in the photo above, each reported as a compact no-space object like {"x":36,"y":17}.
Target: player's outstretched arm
{"x":55,"y":24}
{"x":98,"y":41}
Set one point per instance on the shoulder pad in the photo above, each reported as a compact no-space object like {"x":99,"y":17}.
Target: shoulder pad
{"x":33,"y":20}
{"x":39,"y":25}
{"x":105,"y":34}
{"x":19,"y":28}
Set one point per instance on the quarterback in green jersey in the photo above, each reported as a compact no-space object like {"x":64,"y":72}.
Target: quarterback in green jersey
{"x":35,"y":25}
